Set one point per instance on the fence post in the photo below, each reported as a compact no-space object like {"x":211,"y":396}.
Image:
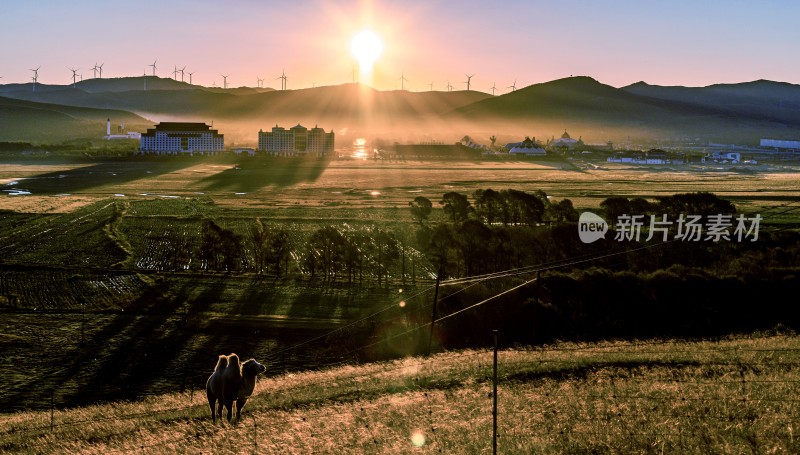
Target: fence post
{"x":255,"y":434}
{"x":494,"y":397}
{"x":435,"y":299}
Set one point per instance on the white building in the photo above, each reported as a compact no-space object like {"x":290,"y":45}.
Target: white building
{"x":779,"y":144}
{"x":565,"y":141}
{"x":723,"y":157}
{"x":296,"y":141}
{"x":528,"y":147}
{"x":175,"y":138}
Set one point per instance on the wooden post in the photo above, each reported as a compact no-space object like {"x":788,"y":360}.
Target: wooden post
{"x":435,"y":299}
{"x":494,"y":398}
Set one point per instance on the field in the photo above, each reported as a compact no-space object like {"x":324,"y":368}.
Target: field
{"x":735,"y":395}
{"x":96,"y":294}
{"x":255,"y":183}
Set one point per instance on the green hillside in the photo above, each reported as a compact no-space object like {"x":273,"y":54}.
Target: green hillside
{"x":778,"y":101}
{"x":22,"y":120}
{"x":586,"y":105}
{"x":741,"y":113}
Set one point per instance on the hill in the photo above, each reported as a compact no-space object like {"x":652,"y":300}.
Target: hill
{"x":43,"y":122}
{"x":585,"y":105}
{"x":244,"y":110}
{"x":778,"y":101}
{"x":741,"y":113}
{"x":734,"y":395}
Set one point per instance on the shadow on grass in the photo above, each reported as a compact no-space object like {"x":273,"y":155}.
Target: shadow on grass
{"x":253,"y":173}
{"x":95,"y":175}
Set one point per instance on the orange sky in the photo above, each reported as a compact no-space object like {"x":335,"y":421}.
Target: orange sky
{"x":617,"y":42}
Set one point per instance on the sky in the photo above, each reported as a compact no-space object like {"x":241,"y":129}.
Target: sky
{"x":501,"y":43}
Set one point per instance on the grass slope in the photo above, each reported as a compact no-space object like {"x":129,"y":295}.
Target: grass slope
{"x":46,"y":122}
{"x":736,"y":395}
{"x":584,"y":104}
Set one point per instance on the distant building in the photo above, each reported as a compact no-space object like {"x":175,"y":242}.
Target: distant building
{"x":296,"y":141}
{"x":528,"y":147}
{"x":653,"y":156}
{"x":565,"y":141}
{"x":121,"y":133}
{"x":175,"y":138}
{"x":779,"y":144}
{"x":722,"y":157}
{"x":457,"y":151}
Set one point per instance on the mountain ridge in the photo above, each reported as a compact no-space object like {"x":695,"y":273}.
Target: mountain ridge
{"x":732,"y":112}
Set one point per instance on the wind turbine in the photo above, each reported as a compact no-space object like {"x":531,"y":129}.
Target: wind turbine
{"x":154,"y":67}
{"x":190,"y":77}
{"x":431,"y":85}
{"x":449,"y":87}
{"x":100,"y":68}
{"x":74,"y":73}
{"x":513,"y":86}
{"x":225,"y":79}
{"x":182,"y":70}
{"x":354,"y":74}
{"x":260,"y":82}
{"x":469,"y":78}
{"x":35,"y":77}
{"x":283,"y":78}
{"x":175,"y":73}
{"x":94,"y":69}
{"x":403,"y":81}
{"x":493,"y":88}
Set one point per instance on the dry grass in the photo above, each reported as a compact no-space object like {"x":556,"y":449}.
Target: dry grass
{"x":730,"y":396}
{"x":257,"y":183}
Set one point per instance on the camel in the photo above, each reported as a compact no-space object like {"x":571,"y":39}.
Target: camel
{"x":231,"y":380}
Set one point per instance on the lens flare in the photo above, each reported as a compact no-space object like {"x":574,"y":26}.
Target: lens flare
{"x":418,"y":439}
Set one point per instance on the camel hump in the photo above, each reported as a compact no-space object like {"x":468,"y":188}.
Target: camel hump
{"x":222,"y":362}
{"x":233,"y":360}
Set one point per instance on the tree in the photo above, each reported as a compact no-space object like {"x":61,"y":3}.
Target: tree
{"x":473,"y":239}
{"x":522,"y":208}
{"x":614,"y":207}
{"x":211,"y":235}
{"x":385,"y":253}
{"x":279,"y":250}
{"x":421,"y":208}
{"x":493,"y":139}
{"x":258,"y":243}
{"x":456,"y":206}
{"x":490,"y":206}
{"x":562,"y":211}
{"x":325,"y":251}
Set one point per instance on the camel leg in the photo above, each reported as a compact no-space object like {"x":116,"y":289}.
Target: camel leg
{"x":228,"y":406}
{"x":211,"y":403}
{"x":239,"y":405}
{"x":219,"y":409}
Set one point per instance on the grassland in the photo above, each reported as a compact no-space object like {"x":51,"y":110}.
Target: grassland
{"x":735,"y":395}
{"x":93,"y":316}
{"x":255,"y":183}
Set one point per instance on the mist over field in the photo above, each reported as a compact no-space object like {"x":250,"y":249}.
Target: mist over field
{"x":598,"y":113}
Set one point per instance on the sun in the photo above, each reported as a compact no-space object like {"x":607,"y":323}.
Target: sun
{"x":366,"y":47}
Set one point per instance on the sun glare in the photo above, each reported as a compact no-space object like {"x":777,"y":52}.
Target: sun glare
{"x":366,"y":48}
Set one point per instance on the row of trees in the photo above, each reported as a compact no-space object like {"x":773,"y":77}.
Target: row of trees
{"x":492,"y":231}
{"x":507,"y":207}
